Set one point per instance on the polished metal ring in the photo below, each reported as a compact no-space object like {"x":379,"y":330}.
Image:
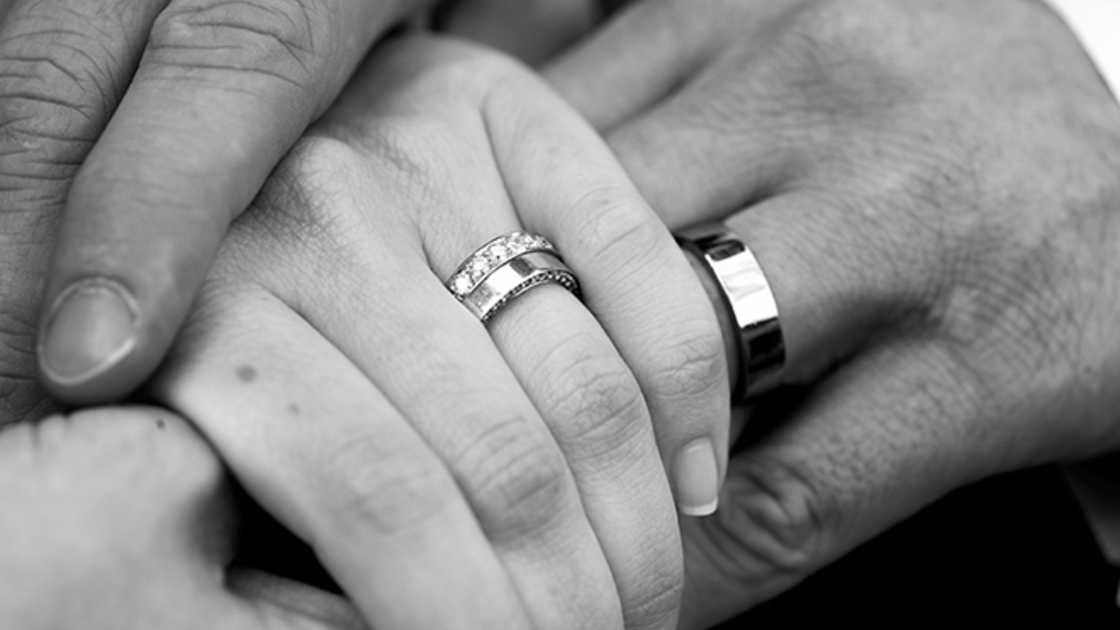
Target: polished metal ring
{"x":506,"y":267}
{"x":747,"y":296}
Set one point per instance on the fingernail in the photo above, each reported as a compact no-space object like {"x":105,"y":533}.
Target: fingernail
{"x":91,"y":327}
{"x":697,"y":478}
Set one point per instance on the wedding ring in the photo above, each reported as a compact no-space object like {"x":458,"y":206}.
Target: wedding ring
{"x":504,"y":268}
{"x":747,"y":296}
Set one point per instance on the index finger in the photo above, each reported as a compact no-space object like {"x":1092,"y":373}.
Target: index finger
{"x":222,"y":91}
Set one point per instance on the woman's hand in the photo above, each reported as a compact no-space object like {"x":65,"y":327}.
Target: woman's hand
{"x":138,"y":129}
{"x":445,"y":472}
{"x":121,"y":518}
{"x":932,"y":189}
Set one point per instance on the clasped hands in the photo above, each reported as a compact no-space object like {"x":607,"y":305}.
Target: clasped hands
{"x":935,"y":219}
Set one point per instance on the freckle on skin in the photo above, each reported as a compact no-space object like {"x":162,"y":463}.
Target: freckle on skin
{"x":246,"y":374}
{"x":294,"y":409}
{"x":160,"y":424}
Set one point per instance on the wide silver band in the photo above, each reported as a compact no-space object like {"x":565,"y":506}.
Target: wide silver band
{"x":505,"y":268}
{"x":747,"y":296}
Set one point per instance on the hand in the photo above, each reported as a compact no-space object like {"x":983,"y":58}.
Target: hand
{"x":932,"y":190}
{"x":175,"y":113}
{"x":121,"y":518}
{"x":448,"y":473}
{"x":203,"y":97}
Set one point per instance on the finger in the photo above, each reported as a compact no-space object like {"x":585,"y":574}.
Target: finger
{"x":288,"y":599}
{"x":438,"y":365}
{"x":634,"y":276}
{"x":838,"y":272}
{"x":62,"y":66}
{"x":693,"y":161}
{"x":716,"y":130}
{"x":636,"y":59}
{"x":571,"y":372}
{"x":121,"y":517}
{"x":70,"y":478}
{"x":569,"y":368}
{"x":223,"y":90}
{"x":893,"y":431}
{"x":83,"y":496}
{"x":329,"y":456}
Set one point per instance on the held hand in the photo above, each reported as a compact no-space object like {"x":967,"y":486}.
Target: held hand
{"x":447,"y":472}
{"x":175,"y":112}
{"x":932,"y":191}
{"x":121,"y":518}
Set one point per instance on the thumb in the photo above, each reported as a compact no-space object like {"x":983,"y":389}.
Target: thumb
{"x":642,"y":54}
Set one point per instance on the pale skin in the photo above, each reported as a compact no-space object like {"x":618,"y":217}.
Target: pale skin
{"x":928,"y":239}
{"x":168,"y":114}
{"x":433,"y":463}
{"x":216,"y":92}
{"x":585,"y":383}
{"x":120,"y":518}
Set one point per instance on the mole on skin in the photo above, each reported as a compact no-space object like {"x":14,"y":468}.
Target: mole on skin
{"x":246,"y":374}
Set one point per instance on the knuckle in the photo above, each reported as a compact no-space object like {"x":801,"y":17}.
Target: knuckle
{"x":659,"y":599}
{"x":598,"y":405}
{"x":831,"y":64}
{"x":779,"y":520}
{"x":53,"y":104}
{"x":690,"y":363}
{"x":516,"y":478}
{"x":370,"y":486}
{"x":303,"y":205}
{"x":280,"y":39}
{"x":615,"y":221}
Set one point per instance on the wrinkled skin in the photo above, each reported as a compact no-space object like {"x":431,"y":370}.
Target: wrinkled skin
{"x":939,"y":249}
{"x":933,"y":191}
{"x":577,"y":383}
{"x":133,"y":131}
{"x":446,"y":473}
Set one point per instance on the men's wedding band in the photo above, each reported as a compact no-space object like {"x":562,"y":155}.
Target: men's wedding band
{"x":747,"y":296}
{"x":506,"y":267}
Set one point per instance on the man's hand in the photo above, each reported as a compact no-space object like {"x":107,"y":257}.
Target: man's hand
{"x":933,"y":189}
{"x":149,"y":125}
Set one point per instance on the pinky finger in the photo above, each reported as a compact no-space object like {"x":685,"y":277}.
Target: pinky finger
{"x":325,"y":452}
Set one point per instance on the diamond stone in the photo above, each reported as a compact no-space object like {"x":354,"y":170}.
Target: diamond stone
{"x":461,"y":284}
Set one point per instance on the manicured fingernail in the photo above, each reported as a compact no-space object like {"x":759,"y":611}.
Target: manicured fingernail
{"x":696,"y":477}
{"x":91,"y":328}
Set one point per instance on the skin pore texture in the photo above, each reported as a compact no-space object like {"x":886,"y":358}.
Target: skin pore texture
{"x":933,"y":199}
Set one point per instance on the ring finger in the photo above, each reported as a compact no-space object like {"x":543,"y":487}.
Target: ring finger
{"x":571,"y":371}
